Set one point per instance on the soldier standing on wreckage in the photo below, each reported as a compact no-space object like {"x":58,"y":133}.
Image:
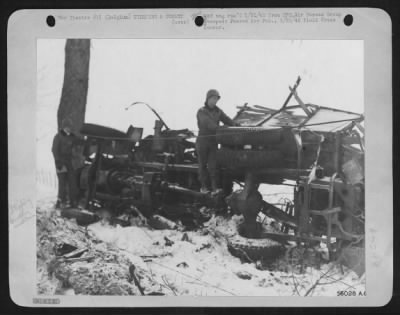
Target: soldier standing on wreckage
{"x":208,"y":119}
{"x":67,"y":164}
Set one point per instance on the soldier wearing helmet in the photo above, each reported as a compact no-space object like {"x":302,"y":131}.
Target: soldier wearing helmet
{"x":208,"y":120}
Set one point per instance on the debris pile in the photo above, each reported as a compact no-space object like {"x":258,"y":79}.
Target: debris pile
{"x":106,"y":259}
{"x":69,"y":257}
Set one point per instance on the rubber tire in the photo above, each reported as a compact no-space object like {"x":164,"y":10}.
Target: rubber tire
{"x":255,"y":249}
{"x":248,"y":158}
{"x":248,"y":136}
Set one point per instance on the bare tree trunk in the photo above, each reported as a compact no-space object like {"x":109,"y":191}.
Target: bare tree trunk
{"x":75,"y":87}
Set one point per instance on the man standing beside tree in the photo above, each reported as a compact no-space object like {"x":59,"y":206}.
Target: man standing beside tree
{"x":62,"y":150}
{"x":67,"y":144}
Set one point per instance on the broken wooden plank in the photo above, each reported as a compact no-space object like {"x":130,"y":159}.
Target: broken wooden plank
{"x":75,"y":253}
{"x":254,"y":110}
{"x":360,"y":127}
{"x":301,"y":103}
{"x":265,"y":108}
{"x":135,"y":279}
{"x":291,"y":93}
{"x":86,"y":258}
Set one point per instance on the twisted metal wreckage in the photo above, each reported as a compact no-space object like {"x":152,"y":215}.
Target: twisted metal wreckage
{"x":320,"y":149}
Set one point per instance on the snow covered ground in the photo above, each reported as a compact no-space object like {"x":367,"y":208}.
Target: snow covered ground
{"x":170,"y":262}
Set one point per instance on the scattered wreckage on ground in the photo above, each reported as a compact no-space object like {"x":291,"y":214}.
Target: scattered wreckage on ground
{"x":319,"y":150}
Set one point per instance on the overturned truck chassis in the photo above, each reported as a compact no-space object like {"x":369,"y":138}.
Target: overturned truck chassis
{"x":318,"y":150}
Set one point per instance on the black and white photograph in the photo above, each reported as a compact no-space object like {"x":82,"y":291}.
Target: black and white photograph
{"x":200,"y":167}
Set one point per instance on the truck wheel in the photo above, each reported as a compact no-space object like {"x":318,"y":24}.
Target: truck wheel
{"x":248,"y":135}
{"x":251,"y":250}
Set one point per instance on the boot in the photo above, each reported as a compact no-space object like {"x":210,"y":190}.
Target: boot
{"x":58,"y":204}
{"x":214,"y":186}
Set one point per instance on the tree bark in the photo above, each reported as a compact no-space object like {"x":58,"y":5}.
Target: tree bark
{"x":75,"y":87}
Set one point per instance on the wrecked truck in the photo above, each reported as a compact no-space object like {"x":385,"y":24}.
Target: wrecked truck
{"x":318,"y":150}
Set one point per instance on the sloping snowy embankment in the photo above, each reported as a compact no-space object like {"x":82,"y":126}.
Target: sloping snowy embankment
{"x":197,"y":263}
